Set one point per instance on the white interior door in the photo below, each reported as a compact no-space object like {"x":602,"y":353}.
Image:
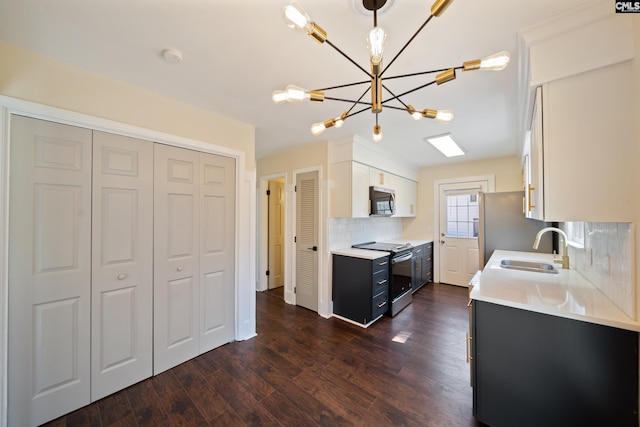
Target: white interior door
{"x":49,"y":270}
{"x":459,"y":231}
{"x":122,"y":265}
{"x":176,"y":257}
{"x":276,"y":233}
{"x":217,"y":250}
{"x":307,"y":240}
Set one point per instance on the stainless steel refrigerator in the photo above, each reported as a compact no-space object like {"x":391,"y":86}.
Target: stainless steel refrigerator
{"x":502,"y":225}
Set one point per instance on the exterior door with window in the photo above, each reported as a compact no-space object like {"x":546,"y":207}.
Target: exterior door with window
{"x":459,"y":231}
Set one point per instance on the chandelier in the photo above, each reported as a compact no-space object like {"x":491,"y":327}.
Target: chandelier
{"x":296,"y":18}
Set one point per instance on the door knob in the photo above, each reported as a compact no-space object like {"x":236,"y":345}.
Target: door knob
{"x":442,"y":242}
{"x":313,"y":248}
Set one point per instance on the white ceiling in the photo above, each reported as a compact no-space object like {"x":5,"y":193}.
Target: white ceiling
{"x":236,"y":52}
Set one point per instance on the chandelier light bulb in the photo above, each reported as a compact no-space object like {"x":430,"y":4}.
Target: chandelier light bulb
{"x":377,"y":133}
{"x":279,"y":96}
{"x":416,"y":115}
{"x":296,"y":94}
{"x":296,"y":17}
{"x":339,"y":121}
{"x":318,"y":128}
{"x":496,"y":62}
{"x":375,"y":44}
{"x":444,"y":116}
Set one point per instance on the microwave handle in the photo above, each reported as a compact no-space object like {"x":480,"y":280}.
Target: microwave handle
{"x":392,"y":199}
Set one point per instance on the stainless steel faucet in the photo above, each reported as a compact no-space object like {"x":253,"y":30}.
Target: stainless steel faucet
{"x":564,"y":259}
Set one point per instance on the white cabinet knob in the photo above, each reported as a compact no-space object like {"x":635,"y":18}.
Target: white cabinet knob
{"x":180,"y":268}
{"x":122,"y":276}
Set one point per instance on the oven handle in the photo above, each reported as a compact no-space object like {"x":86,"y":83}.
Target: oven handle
{"x":402,"y":258}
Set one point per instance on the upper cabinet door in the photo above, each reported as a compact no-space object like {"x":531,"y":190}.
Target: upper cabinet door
{"x":534,"y":177}
{"x":122,"y":273}
{"x":582,"y":166}
{"x":49,"y":270}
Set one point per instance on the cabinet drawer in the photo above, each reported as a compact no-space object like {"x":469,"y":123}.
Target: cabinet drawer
{"x":380,"y":281}
{"x":380,"y":264}
{"x":428,"y":251}
{"x":380,"y":304}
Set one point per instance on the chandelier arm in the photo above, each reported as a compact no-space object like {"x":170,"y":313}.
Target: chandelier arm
{"x":406,"y":44}
{"x":347,"y":56}
{"x":407,"y":92}
{"x":347,"y":100}
{"x":395,"y":96}
{"x":421,"y":73}
{"x":344,"y":85}
{"x":393,"y":107}
{"x":357,"y":112}
{"x":358,"y":101}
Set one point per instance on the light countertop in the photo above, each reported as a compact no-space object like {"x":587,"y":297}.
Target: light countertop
{"x":412,"y":242}
{"x":566,"y":294}
{"x":360,"y":253}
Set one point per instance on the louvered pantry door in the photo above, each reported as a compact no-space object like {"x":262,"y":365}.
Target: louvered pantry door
{"x":176,"y":256}
{"x":122,"y":273}
{"x":49,"y":270}
{"x":307,"y":240}
{"x":217,"y":250}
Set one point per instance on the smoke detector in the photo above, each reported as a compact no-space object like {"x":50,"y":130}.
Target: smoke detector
{"x":172,"y":55}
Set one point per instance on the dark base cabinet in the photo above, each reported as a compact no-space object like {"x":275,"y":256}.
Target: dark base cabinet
{"x":533,"y":369}
{"x":360,"y":288}
{"x":422,"y":264}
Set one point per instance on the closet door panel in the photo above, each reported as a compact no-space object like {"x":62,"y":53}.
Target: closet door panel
{"x":217,"y":251}
{"x":49,"y":270}
{"x":176,"y":260}
{"x":122,"y":274}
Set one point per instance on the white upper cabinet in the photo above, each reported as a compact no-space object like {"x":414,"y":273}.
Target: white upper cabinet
{"x":586,"y":147}
{"x":350,"y":194}
{"x":406,"y":193}
{"x":354,"y":166}
{"x":578,"y":158}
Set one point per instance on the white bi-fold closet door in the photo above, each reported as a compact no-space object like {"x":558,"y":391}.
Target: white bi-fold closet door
{"x":81,"y":265}
{"x":122,"y":263}
{"x":194,"y":254}
{"x":49,"y":271}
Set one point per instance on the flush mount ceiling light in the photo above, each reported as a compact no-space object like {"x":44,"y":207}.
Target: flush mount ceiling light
{"x":297,"y":18}
{"x":446,"y":145}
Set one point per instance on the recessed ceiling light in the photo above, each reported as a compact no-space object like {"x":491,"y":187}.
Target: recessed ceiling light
{"x":446,"y":145}
{"x":172,"y":55}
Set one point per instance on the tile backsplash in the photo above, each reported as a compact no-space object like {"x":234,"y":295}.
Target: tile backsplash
{"x":344,"y":232}
{"x":607,"y":261}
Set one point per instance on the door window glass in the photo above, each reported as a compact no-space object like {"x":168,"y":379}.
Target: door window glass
{"x":462,"y":215}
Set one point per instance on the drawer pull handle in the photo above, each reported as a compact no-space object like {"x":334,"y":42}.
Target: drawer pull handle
{"x":383,"y":263}
{"x":382,"y":304}
{"x":382,"y":282}
{"x":122,"y":276}
{"x":469,"y":357}
{"x":180,"y":268}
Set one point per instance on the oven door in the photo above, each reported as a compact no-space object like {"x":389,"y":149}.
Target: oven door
{"x":400,"y":274}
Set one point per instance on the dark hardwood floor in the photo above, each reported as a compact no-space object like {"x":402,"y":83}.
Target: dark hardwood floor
{"x":304,"y":370}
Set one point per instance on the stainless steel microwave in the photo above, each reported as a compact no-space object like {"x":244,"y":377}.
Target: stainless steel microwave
{"x":382,"y":201}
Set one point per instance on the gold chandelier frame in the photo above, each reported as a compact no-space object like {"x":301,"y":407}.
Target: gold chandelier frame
{"x":297,"y":18}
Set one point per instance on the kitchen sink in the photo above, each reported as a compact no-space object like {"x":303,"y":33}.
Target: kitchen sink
{"x":539,"y":267}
